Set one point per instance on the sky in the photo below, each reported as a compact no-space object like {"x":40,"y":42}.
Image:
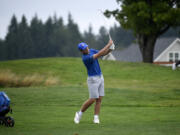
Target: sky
{"x":84,"y":12}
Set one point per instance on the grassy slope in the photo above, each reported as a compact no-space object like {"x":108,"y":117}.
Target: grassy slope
{"x":72,"y":72}
{"x":141,"y":99}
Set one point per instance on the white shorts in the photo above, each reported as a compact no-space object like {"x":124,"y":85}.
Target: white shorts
{"x":95,"y":86}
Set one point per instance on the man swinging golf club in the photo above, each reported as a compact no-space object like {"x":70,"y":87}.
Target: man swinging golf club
{"x":95,"y":78}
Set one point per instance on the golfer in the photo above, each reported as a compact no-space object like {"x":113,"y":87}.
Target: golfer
{"x":175,"y":65}
{"x":95,"y":79}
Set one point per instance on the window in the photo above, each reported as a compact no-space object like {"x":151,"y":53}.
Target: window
{"x":174,"y":56}
{"x":170,"y":57}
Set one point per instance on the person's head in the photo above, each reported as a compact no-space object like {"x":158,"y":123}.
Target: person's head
{"x":83,"y":47}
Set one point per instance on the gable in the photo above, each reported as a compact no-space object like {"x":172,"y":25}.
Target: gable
{"x":161,"y":45}
{"x":174,"y":47}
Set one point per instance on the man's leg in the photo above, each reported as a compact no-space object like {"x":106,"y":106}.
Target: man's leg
{"x":98,"y":100}
{"x":97,"y":110}
{"x":97,"y":106}
{"x":84,"y":107}
{"x":87,"y":103}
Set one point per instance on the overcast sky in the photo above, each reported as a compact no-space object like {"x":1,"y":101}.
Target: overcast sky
{"x":84,"y":12}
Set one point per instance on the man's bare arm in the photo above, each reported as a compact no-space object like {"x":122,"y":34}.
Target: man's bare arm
{"x":103,"y":51}
{"x":107,"y":52}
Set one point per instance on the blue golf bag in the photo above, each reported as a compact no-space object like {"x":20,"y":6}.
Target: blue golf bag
{"x":4,"y":109}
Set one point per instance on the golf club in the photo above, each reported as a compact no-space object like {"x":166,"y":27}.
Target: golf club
{"x":105,"y":22}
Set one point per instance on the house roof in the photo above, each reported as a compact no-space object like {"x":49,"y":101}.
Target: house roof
{"x":133,"y":54}
{"x":166,"y":50}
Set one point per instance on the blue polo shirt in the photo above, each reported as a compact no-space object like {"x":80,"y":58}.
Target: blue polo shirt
{"x":91,"y":64}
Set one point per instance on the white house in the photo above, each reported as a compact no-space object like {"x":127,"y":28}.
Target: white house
{"x":166,"y":51}
{"x":170,"y":54}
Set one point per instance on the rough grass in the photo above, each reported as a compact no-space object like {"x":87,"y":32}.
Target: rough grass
{"x":10,"y":79}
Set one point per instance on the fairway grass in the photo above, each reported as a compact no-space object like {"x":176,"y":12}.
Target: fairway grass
{"x":51,"y":110}
{"x":141,"y":99}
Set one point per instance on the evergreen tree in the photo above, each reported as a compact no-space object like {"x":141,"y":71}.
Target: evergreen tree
{"x":54,"y":38}
{"x":90,"y":38}
{"x":37,"y":35}
{"x":74,"y":37}
{"x":25,"y":49}
{"x":103,"y":37}
{"x":59,"y":37}
{"x":2,"y":50}
{"x":11,"y":43}
{"x":47,"y":42}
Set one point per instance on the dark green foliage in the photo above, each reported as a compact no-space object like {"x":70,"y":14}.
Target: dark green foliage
{"x":103,"y":37}
{"x":2,"y":52}
{"x":37,"y":36}
{"x":90,"y":38}
{"x":24,"y":40}
{"x":11,"y":40}
{"x":148,"y":19}
{"x":53,"y":38}
{"x":147,"y":16}
{"x":74,"y":37}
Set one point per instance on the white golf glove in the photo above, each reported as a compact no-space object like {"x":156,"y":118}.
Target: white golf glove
{"x":112,"y":47}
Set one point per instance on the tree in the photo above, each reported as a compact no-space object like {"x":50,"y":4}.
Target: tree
{"x":37,"y":36}
{"x":2,"y":50}
{"x":148,"y":19}
{"x":102,"y":37}
{"x":11,"y":39}
{"x":59,"y":37}
{"x":74,"y":37}
{"x":47,"y":45}
{"x":90,"y":38}
{"x":24,"y":40}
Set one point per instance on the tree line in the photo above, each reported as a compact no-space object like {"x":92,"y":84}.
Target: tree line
{"x":54,"y":38}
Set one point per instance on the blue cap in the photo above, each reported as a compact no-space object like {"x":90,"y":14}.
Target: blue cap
{"x":82,"y":46}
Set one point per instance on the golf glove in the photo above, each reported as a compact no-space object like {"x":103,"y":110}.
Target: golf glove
{"x":112,"y":47}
